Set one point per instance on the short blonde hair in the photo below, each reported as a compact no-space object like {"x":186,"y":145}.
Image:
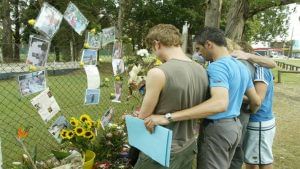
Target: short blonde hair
{"x":231,"y":45}
{"x":166,"y":34}
{"x":246,"y":47}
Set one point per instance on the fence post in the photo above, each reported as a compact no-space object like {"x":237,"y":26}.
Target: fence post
{"x":279,"y":76}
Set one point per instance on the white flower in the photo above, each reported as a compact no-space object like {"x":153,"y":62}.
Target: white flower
{"x":25,"y":156}
{"x":133,"y":74}
{"x":142,"y":52}
{"x":112,"y":125}
{"x":16,"y":163}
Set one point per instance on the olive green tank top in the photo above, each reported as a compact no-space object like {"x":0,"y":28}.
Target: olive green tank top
{"x":186,"y":86}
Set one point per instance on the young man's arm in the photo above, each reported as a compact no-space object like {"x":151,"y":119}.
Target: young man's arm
{"x":254,"y":100}
{"x":216,"y":104}
{"x":261,"y":81}
{"x":260,"y":60}
{"x":261,"y":89}
{"x":154,"y":84}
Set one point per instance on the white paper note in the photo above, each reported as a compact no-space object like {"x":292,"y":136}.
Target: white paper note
{"x":93,"y":76}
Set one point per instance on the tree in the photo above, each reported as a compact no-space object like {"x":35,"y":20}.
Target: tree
{"x":17,"y":37}
{"x":213,"y":13}
{"x":7,"y":32}
{"x":235,"y":22}
{"x":241,"y":11}
{"x":261,"y":26}
{"x":142,"y":15}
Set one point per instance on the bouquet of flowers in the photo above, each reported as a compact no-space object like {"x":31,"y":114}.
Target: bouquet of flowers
{"x":110,"y":145}
{"x":82,"y":133}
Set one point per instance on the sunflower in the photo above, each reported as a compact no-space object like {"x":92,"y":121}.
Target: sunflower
{"x":99,"y":124}
{"x":70,"y":134}
{"x":63,"y":134}
{"x":79,"y":131}
{"x":85,"y":117}
{"x":93,"y":137}
{"x":89,"y":124}
{"x":94,"y":124}
{"x":74,"y":122}
{"x":88,"y":134}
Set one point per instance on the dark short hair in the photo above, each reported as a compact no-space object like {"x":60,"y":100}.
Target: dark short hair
{"x":214,"y":35}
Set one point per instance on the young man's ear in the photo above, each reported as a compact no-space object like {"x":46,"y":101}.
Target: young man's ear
{"x":156,"y":44}
{"x":208,"y":44}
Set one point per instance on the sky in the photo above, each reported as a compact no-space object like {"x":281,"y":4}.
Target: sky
{"x":295,"y":22}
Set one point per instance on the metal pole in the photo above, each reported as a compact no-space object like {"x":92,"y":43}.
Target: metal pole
{"x":291,"y":45}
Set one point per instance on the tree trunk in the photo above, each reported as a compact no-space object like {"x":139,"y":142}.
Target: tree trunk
{"x":213,"y":13}
{"x":120,"y":19}
{"x":7,"y":33}
{"x":236,"y":19}
{"x":17,"y":32}
{"x":57,"y":54}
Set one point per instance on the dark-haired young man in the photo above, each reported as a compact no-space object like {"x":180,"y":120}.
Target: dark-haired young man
{"x":229,"y":80}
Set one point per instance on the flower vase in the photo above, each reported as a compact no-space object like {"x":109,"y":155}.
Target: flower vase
{"x":89,"y":158}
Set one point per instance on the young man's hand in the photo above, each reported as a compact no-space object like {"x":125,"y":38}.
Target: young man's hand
{"x":153,"y":120}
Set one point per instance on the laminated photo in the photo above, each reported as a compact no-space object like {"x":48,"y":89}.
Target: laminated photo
{"x":75,"y":18}
{"x":92,"y":96}
{"x":89,"y":57}
{"x":108,"y":35}
{"x":117,"y":50}
{"x":38,"y":51}
{"x":46,"y":105}
{"x":94,"y":40}
{"x":118,"y":92}
{"x":32,"y":82}
{"x":107,"y":117}
{"x":59,"y":124}
{"x":48,"y":21}
{"x":93,"y":76}
{"x":118,"y":66}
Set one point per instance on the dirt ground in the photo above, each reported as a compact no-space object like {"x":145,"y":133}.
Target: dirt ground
{"x":287,"y":141}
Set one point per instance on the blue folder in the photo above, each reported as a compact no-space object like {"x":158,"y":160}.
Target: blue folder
{"x":156,"y":145}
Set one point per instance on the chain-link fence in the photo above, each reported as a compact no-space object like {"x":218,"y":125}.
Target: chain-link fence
{"x":67,"y":82}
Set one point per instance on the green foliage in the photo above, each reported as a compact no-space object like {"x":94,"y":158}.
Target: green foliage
{"x":267,"y":25}
{"x":142,"y":15}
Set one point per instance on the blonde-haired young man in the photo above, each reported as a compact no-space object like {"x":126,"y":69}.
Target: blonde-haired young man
{"x":179,"y":83}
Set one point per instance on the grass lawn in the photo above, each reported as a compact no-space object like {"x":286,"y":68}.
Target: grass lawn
{"x":295,"y":62}
{"x":69,"y":91}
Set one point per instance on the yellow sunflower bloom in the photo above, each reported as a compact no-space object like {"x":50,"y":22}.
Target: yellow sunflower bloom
{"x":85,"y":117}
{"x":70,"y":134}
{"x":74,"y":122}
{"x":79,"y":131}
{"x":93,"y":123}
{"x":89,"y":124}
{"x":63,"y":134}
{"x":99,"y":124}
{"x":88,"y":134}
{"x":93,"y":137}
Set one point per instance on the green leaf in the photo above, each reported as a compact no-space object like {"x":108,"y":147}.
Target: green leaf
{"x":60,"y":154}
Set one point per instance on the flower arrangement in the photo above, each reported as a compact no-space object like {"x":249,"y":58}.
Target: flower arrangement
{"x":82,"y":132}
{"x":143,"y":52}
{"x":110,"y":143}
